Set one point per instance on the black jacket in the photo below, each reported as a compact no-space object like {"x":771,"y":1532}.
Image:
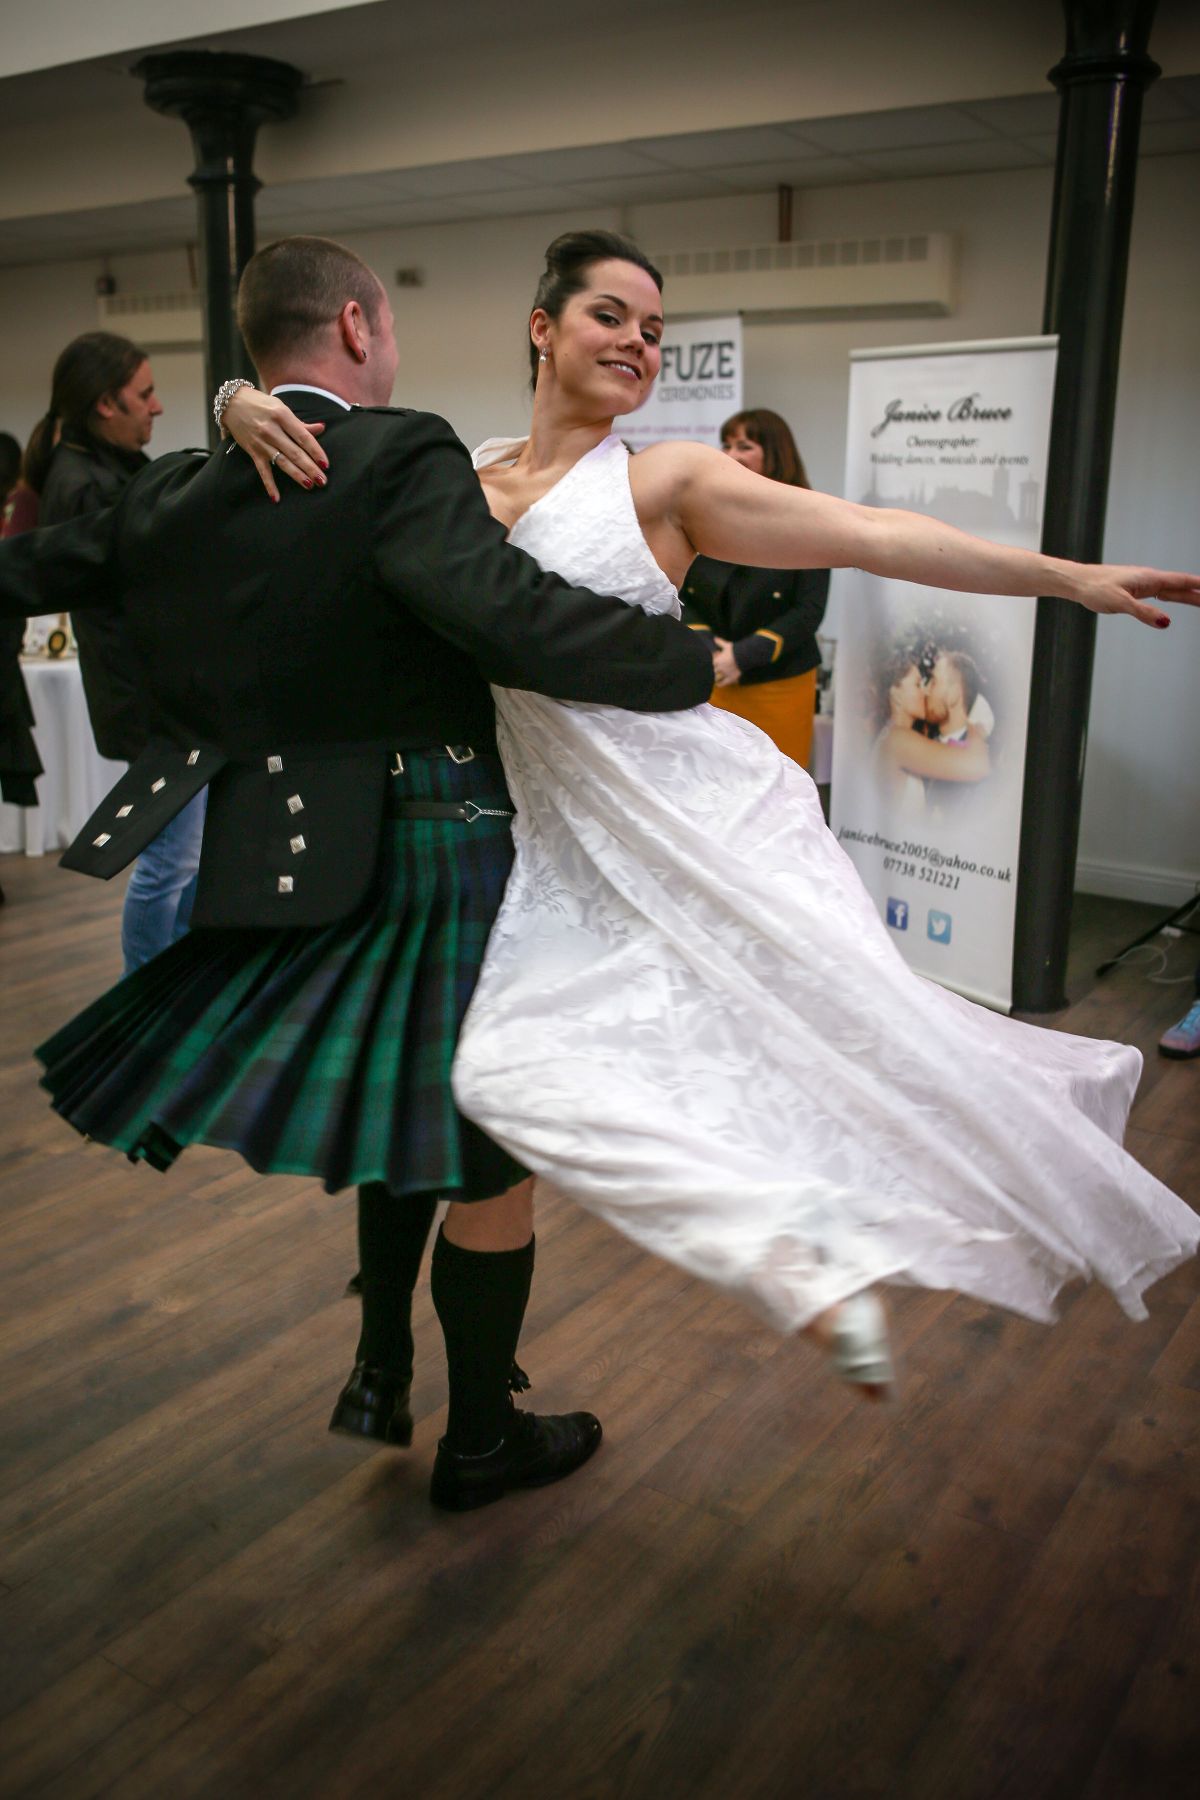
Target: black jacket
{"x":770,"y":616}
{"x":85,"y":478}
{"x":286,"y":652}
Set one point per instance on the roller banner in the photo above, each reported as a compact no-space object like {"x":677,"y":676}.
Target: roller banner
{"x":933,"y":687}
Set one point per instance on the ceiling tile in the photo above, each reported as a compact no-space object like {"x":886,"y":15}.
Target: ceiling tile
{"x":437,"y":179}
{"x":643,"y":190}
{"x":343,"y":190}
{"x":419,"y":212}
{"x":816,"y":171}
{"x":885,"y":130}
{"x":954,"y":159}
{"x":714,"y":149}
{"x":1164,"y":101}
{"x":1187,"y":89}
{"x":515,"y":201}
{"x":591,"y":162}
{"x":1169,"y":137}
{"x":1017,"y":115}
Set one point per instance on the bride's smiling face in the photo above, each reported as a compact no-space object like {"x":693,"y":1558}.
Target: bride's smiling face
{"x":604,"y":348}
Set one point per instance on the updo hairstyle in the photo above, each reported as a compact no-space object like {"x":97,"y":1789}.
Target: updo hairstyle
{"x":568,"y":261}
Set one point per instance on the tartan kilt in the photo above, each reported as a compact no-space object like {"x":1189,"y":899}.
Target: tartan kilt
{"x":322,"y":1052}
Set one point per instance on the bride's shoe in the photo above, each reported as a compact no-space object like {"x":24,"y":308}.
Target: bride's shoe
{"x":855,"y":1334}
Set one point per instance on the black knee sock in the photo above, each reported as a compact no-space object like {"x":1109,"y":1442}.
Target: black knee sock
{"x":392,"y":1231}
{"x":480,"y":1297}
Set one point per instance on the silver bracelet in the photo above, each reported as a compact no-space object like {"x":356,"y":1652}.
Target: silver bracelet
{"x":224,"y":395}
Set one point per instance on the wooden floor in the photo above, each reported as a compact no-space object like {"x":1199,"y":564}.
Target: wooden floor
{"x":760,"y":1587}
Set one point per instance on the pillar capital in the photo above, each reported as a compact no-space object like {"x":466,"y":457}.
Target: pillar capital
{"x":204,"y":86}
{"x":1107,"y":40}
{"x":222,"y":99}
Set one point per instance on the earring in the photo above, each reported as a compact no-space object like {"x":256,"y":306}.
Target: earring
{"x":543,"y":356}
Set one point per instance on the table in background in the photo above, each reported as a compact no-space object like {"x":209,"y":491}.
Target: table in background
{"x":77,"y":777}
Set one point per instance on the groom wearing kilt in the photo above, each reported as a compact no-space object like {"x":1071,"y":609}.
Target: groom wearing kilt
{"x":323,"y":667}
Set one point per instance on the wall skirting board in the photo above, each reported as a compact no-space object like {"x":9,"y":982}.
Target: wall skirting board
{"x":1159,"y":887}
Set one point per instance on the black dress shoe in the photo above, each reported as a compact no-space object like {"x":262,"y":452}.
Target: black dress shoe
{"x":535,"y":1450}
{"x":373,"y":1404}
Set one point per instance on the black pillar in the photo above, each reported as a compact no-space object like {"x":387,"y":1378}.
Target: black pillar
{"x":1101,"y":79}
{"x":223,"y":100}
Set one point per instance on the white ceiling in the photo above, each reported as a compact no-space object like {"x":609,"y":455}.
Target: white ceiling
{"x":1017,"y":132}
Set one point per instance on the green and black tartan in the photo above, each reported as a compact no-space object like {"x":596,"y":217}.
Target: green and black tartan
{"x":314,"y":1052}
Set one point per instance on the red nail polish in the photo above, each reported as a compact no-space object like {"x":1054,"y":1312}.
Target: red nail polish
{"x":308,"y":484}
{"x":1162,"y":623}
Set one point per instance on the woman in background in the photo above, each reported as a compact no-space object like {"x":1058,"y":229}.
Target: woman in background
{"x":762,"y":623}
{"x":20,"y":764}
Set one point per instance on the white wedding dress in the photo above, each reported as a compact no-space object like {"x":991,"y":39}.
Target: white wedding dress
{"x":692,"y":1021}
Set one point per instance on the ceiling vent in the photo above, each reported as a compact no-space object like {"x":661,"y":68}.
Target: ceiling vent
{"x":909,"y":276}
{"x":156,"y":321}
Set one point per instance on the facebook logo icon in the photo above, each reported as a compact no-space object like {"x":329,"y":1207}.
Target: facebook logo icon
{"x":939,"y":927}
{"x":897,"y":914}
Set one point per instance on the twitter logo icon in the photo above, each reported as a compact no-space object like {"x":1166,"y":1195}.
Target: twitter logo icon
{"x":939,"y":926}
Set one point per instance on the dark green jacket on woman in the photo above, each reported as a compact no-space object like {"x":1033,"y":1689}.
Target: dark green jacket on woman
{"x":770,"y":616}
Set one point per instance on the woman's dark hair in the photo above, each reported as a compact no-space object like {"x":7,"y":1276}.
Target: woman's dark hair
{"x":567,"y":263}
{"x":781,"y":459}
{"x":899,"y":660}
{"x":293,"y":289}
{"x":91,"y":366}
{"x":10,"y":464}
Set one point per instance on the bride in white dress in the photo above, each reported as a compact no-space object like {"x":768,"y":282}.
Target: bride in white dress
{"x":691,"y":1019}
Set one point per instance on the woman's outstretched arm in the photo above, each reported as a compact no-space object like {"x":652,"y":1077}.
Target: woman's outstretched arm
{"x":730,"y":513}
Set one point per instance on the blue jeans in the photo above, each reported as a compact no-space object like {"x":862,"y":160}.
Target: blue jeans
{"x":158,"y":900}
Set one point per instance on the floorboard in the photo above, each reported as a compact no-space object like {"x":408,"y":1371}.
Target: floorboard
{"x":760,"y":1587}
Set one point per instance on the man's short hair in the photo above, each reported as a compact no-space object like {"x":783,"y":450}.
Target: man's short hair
{"x":292,"y":290}
{"x":967,"y":670}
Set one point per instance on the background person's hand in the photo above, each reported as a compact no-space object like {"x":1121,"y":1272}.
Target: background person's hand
{"x":276,"y":441}
{"x":725,"y":670}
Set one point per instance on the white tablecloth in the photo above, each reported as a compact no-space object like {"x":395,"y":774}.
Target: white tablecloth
{"x":77,"y":776}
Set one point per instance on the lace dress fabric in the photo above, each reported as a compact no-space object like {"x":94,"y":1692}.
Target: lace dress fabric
{"x":692,"y":1021}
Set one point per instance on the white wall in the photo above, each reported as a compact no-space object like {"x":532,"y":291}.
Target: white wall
{"x":462,"y":335}
{"x":61,"y":31}
{"x":403,"y":86}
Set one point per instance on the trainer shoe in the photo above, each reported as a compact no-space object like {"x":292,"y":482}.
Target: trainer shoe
{"x":1183,"y":1039}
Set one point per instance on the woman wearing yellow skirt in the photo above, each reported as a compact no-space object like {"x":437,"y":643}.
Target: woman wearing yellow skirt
{"x":762,"y":623}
